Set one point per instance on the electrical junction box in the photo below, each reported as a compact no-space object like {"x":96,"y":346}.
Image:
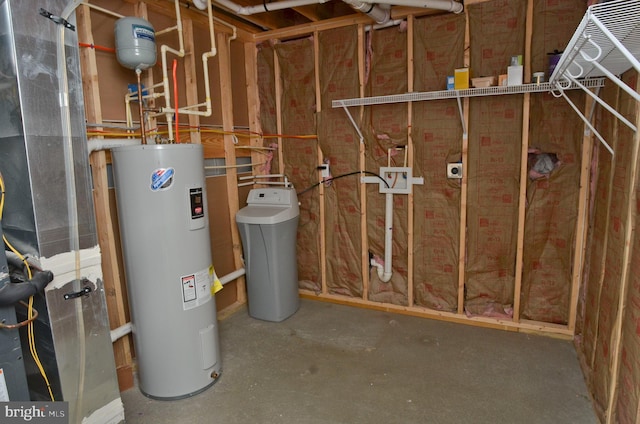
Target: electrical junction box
{"x":399,"y":179}
{"x":454,"y":170}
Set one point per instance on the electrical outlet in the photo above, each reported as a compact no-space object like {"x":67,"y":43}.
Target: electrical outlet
{"x":324,"y":170}
{"x":454,"y":170}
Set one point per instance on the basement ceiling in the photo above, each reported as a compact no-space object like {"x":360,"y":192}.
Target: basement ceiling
{"x":292,"y":20}
{"x":286,"y":18}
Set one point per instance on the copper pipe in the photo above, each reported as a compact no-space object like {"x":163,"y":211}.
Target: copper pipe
{"x":142,"y":129}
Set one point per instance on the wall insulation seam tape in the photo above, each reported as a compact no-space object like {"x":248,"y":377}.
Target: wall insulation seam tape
{"x":65,"y":263}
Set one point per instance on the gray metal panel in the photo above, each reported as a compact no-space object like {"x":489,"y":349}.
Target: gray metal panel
{"x":83,"y":346}
{"x":11,"y":359}
{"x":31,"y":114}
{"x":32,"y":146}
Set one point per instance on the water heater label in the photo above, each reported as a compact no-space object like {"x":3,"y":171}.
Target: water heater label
{"x":162,"y":178}
{"x":196,"y":289}
{"x":197,"y":202}
{"x":144,"y":32}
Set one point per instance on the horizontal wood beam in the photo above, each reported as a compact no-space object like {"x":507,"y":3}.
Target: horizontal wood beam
{"x":524,"y":326}
{"x":339,"y":22}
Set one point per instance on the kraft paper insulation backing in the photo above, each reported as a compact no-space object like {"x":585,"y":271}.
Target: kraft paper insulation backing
{"x":340,"y":145}
{"x":267,"y":88}
{"x":267,"y":96}
{"x":385,"y":127}
{"x":437,"y":140}
{"x":497,"y":32}
{"x":297,"y":74}
{"x":626,"y":405}
{"x":592,"y":300}
{"x":601,"y":174}
{"x":551,"y":211}
{"x":602,"y":293}
{"x":552,"y":202}
{"x":495,"y":133}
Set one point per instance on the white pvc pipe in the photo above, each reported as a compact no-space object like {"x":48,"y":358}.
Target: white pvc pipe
{"x":234,"y":166}
{"x":232,"y":276}
{"x":385,"y":25}
{"x":378,"y":14}
{"x":103,"y":10}
{"x":384,"y":271}
{"x":268,"y":7}
{"x":123,"y":330}
{"x":388,"y":237}
{"x":250,"y":177}
{"x":168,"y":110}
{"x":95,"y":144}
{"x":446,"y":5}
{"x":205,"y":58}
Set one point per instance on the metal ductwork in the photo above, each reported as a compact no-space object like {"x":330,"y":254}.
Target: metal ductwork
{"x":48,"y":207}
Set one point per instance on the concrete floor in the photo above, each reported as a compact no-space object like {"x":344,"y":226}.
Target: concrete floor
{"x":337,"y":364}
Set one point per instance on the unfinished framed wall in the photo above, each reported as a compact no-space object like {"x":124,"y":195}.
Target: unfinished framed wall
{"x":494,"y":248}
{"x":608,"y":337}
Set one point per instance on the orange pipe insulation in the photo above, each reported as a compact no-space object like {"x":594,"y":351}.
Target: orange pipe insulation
{"x":102,"y":48}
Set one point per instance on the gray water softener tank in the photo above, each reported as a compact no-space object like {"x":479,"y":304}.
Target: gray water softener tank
{"x":268,"y":227}
{"x":135,"y":43}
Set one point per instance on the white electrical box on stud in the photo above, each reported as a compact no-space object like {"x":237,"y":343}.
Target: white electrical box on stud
{"x":397,"y":180}
{"x":454,"y":170}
